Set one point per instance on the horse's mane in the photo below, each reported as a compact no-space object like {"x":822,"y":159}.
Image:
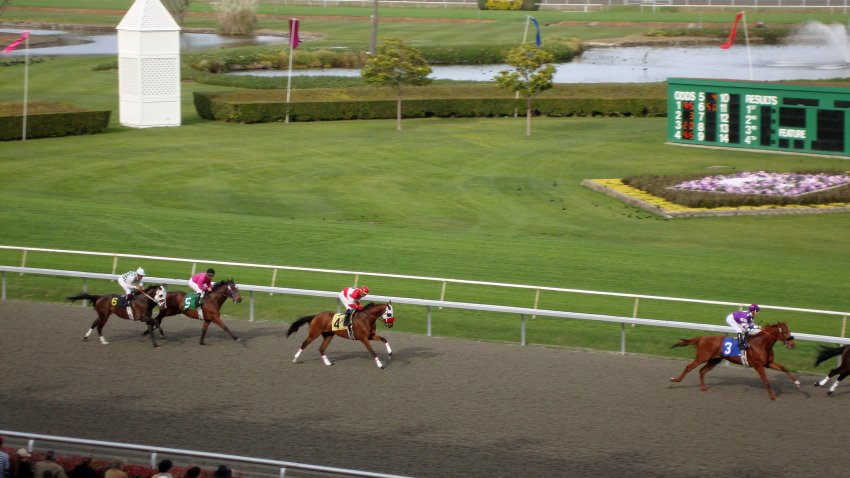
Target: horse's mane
{"x":216,"y":285}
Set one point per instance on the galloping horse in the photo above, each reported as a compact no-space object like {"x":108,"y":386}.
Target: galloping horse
{"x":362,"y":323}
{"x":141,"y":306}
{"x":842,"y":370}
{"x":175,"y":303}
{"x":759,"y":355}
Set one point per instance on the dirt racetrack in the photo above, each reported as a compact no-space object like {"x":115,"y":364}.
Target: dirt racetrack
{"x":442,"y":408}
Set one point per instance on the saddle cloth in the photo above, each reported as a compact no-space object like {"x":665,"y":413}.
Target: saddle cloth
{"x":730,"y":347}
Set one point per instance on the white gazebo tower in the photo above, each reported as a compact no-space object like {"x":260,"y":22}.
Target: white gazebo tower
{"x":148,"y":66}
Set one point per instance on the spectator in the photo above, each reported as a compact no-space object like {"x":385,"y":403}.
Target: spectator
{"x":115,"y":470}
{"x":22,"y":465}
{"x":222,"y":472}
{"x":84,"y":470}
{"x":193,"y":472}
{"x":4,"y":460}
{"x":164,"y":468}
{"x":49,"y":464}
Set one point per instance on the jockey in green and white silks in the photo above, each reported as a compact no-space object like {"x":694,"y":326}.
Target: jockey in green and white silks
{"x":131,"y":281}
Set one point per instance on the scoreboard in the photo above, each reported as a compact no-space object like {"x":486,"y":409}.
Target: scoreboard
{"x":761,"y":116}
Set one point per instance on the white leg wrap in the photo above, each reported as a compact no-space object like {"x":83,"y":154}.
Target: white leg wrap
{"x":378,"y":362}
{"x":389,"y":350}
{"x":325,"y":359}
{"x":833,"y":387}
{"x":823,"y":382}
{"x":103,"y":340}
{"x":88,"y":333}
{"x":297,"y":354}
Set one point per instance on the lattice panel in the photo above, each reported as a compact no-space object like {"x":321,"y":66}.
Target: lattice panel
{"x":128,"y":74}
{"x":148,"y":15}
{"x":161,"y":77}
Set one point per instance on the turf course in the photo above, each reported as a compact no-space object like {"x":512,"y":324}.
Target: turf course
{"x":460,"y":198}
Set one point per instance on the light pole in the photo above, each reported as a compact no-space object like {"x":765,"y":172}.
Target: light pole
{"x":374,"y":39}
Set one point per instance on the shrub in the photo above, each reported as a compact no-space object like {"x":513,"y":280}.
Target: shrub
{"x":236,"y":17}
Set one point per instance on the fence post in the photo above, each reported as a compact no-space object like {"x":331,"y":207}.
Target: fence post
{"x":153,"y":459}
{"x":114,"y":264}
{"x":522,"y":329}
{"x":85,"y":302}
{"x":634,"y":310}
{"x":443,"y":293}
{"x":843,"y":325}
{"x":251,"y":305}
{"x":282,"y":473}
{"x":429,"y":321}
{"x":623,"y":338}
{"x":3,"y":288}
{"x":24,"y":260}
{"x":274,"y":278}
{"x":536,"y":301}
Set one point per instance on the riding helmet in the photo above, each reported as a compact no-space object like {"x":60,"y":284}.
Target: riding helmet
{"x":754,"y":308}
{"x":140,"y":271}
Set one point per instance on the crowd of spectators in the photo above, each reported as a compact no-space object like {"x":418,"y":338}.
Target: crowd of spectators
{"x":22,"y":464}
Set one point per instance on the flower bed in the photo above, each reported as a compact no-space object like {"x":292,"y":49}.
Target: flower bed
{"x":762,"y":182}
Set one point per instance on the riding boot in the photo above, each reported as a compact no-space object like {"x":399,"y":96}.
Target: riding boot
{"x":346,"y":322}
{"x":742,"y":342}
{"x":200,"y":299}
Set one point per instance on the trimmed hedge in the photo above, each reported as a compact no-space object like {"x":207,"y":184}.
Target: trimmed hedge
{"x":222,"y":106}
{"x":45,"y":120}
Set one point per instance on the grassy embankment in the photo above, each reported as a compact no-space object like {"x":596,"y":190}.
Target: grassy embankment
{"x":470,"y":199}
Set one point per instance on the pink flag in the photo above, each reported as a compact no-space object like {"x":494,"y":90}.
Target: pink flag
{"x":731,"y":39}
{"x":17,"y":42}
{"x":293,"y":33}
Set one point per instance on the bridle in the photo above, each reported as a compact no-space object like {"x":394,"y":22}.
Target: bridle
{"x":784,"y":341}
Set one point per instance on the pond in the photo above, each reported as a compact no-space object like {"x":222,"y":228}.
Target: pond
{"x":798,"y":61}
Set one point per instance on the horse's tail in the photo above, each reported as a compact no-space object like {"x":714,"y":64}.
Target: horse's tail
{"x":685,"y":342}
{"x":84,"y":296}
{"x":298,"y":323}
{"x":828,"y":352}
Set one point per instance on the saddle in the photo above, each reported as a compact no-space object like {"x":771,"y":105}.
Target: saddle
{"x":730,"y":348}
{"x":122,"y":301}
{"x":337,"y":323}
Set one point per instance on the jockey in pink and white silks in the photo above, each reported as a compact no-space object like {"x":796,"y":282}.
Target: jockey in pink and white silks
{"x":202,"y":283}
{"x":742,"y":322}
{"x":131,"y":281}
{"x":350,"y":298}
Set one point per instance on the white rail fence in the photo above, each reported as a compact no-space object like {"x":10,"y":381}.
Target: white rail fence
{"x":443,"y":282}
{"x":522,"y":312}
{"x":281,"y":467}
{"x":586,"y":6}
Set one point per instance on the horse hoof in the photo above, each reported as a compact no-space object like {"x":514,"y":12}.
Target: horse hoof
{"x":674,"y":379}
{"x":797,"y":383}
{"x":817,"y":384}
{"x":829,"y":392}
{"x":238,"y":339}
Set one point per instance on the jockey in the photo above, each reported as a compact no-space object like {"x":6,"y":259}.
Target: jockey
{"x":202,"y":283}
{"x":350,"y":298}
{"x":742,"y":322}
{"x":131,"y":281}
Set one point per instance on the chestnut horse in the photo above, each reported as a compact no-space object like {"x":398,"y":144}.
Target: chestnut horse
{"x":842,"y":370}
{"x":210,"y":310}
{"x":141,"y":305}
{"x":759,"y":355}
{"x":362,"y":324}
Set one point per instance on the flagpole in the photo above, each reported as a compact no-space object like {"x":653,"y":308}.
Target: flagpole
{"x":524,"y":37}
{"x":289,"y":76}
{"x":26,"y":85}
{"x":747,"y":37}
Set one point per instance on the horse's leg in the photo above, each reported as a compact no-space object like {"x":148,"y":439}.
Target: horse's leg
{"x":778,"y":366}
{"x":217,"y":321}
{"x":837,"y":381}
{"x":204,"y":330}
{"x":101,"y":323}
{"x":763,"y":375}
{"x":91,"y":329}
{"x":326,"y":340}
{"x":365,"y":342}
{"x":387,"y":344}
{"x":687,"y":369}
{"x":705,"y":369}
{"x":151,"y":326}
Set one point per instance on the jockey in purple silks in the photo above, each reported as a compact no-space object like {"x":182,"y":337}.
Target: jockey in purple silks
{"x":742,"y":322}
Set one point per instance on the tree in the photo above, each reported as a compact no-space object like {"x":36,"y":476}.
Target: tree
{"x":396,"y":64}
{"x":533,"y":72}
{"x":177,"y":9}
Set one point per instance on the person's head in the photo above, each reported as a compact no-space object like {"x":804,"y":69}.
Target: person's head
{"x":165,"y":465}
{"x":210,"y":273}
{"x":193,"y":472}
{"x":50,"y":455}
{"x":222,"y":472}
{"x":754,"y":309}
{"x":140,"y":273}
{"x":363,"y":290}
{"x":23,"y":454}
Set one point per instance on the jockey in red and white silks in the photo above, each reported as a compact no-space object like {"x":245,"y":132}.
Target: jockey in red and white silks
{"x":350,"y":297}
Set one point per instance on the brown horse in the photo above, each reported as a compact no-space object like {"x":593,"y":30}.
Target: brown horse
{"x":210,"y":310}
{"x":362,"y":324}
{"x":141,"y":306}
{"x":842,"y":370}
{"x":759,"y":355}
